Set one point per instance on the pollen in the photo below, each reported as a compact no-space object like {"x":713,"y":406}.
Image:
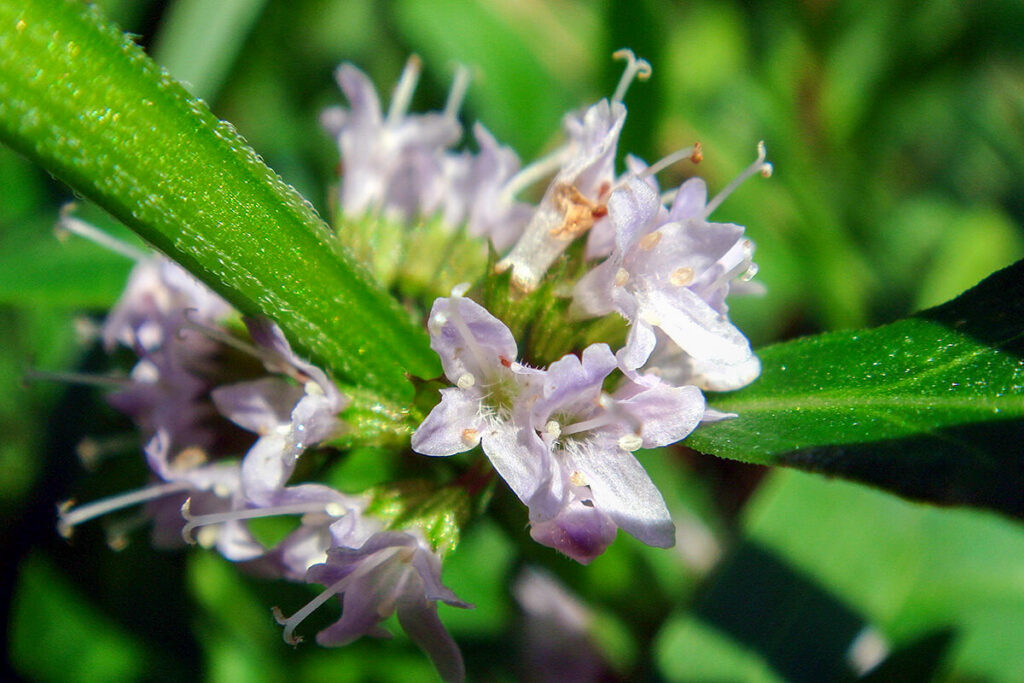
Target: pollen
{"x":470,"y":437}
{"x":189,"y":458}
{"x":579,"y":213}
{"x":682,"y":276}
{"x":466,"y":380}
{"x":577,"y":478}
{"x":621,"y":277}
{"x":698,"y":153}
{"x":650,"y":240}
{"x":630,"y":442}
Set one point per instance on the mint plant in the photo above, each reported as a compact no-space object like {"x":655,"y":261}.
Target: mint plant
{"x":548,"y":350}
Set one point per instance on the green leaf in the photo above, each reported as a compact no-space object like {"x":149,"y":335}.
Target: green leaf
{"x":199,"y":40}
{"x":931,"y":407}
{"x":43,"y":272}
{"x":82,"y":100}
{"x":912,"y":571}
{"x":49,"y":610}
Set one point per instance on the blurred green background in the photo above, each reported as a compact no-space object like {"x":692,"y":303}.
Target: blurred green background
{"x":897,"y":134}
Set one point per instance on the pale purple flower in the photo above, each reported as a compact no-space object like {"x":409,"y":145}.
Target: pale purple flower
{"x":491,"y":399}
{"x":562,"y":446}
{"x":392,"y":571}
{"x":558,"y":642}
{"x":601,"y":238}
{"x":478,"y":192}
{"x":596,"y":484}
{"x":163,"y":316}
{"x":670,"y":272}
{"x":393,"y":163}
{"x":575,"y":200}
{"x":182,"y":474}
{"x":288,"y":416}
{"x":156,"y":305}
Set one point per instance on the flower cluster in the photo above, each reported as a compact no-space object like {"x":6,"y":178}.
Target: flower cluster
{"x":201,"y":375}
{"x":573,"y":334}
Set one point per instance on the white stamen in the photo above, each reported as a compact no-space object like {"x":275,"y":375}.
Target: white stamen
{"x":194,"y":521}
{"x":402,"y":95}
{"x":639,"y":69}
{"x":613,"y":413}
{"x":759,"y":166}
{"x":630,"y":442}
{"x":77,"y":226}
{"x":577,"y":478}
{"x":457,"y":92}
{"x":228,"y":339}
{"x":455,"y":317}
{"x":460,"y":290}
{"x":593,"y":423}
{"x":693,"y":153}
{"x":466,"y":380}
{"x":621,"y":277}
{"x":552,"y":429}
{"x":70,"y":517}
{"x":528,"y":175}
{"x":77,"y":378}
{"x":744,"y":270}
{"x":366,"y":566}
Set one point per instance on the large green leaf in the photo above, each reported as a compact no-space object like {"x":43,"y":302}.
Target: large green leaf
{"x":827,"y":564}
{"x":86,"y":103}
{"x":931,"y":406}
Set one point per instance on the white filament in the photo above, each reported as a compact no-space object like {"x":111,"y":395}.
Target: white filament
{"x":635,"y":69}
{"x":692,"y":153}
{"x":72,"y":517}
{"x":193,"y":521}
{"x":457,"y":93}
{"x":759,"y":166}
{"x":76,"y":226}
{"x":402,"y":95}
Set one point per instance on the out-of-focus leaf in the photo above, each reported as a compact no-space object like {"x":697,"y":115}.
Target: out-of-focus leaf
{"x":532,"y":97}
{"x":33,"y":337}
{"x":912,"y":570}
{"x":199,"y":41}
{"x":689,"y":651}
{"x":980,"y":242}
{"x":242,"y":638}
{"x":44,"y":272}
{"x":56,"y":635}
{"x":479,"y":572}
{"x":930,"y":407}
{"x":81,"y":99}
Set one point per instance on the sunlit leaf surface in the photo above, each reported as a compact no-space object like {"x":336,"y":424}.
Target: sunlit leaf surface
{"x":931,"y":406}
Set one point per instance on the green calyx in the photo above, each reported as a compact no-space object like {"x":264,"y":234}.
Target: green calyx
{"x":440,"y":513}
